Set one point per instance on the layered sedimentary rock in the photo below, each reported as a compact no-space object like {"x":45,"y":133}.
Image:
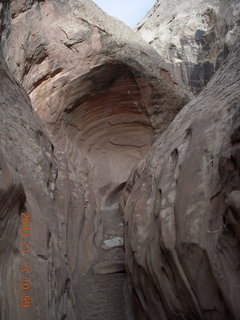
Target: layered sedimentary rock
{"x":104,"y":95}
{"x":181,"y":209}
{"x":102,"y":91}
{"x":193,"y":37}
{"x":40,"y":182}
{"x":29,"y":183}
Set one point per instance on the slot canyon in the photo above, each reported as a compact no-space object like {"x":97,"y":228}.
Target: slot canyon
{"x":120,"y":148}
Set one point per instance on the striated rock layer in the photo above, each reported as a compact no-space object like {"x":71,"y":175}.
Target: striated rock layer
{"x":36,"y":179}
{"x":101,"y":90}
{"x":104,"y":95}
{"x":193,"y":37}
{"x":181,"y":210}
{"x":30,"y":182}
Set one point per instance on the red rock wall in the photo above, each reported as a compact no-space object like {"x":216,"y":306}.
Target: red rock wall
{"x":99,"y":92}
{"x":29,"y":183}
{"x":181,"y":210}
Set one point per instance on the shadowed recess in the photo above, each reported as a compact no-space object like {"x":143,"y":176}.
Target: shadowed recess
{"x":105,"y":118}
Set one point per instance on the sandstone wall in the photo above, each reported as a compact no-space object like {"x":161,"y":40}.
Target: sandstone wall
{"x":103,"y":95}
{"x":29,"y":182}
{"x":181,"y":210}
{"x":102,"y":91}
{"x":40,"y":181}
{"x":193,"y":37}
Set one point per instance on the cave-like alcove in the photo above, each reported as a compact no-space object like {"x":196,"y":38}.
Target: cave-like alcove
{"x":105,"y":118}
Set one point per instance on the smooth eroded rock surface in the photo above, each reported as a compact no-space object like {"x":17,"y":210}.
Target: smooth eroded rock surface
{"x":193,"y":37}
{"x":30,"y":182}
{"x":101,"y":90}
{"x":100,"y":98}
{"x":181,"y":210}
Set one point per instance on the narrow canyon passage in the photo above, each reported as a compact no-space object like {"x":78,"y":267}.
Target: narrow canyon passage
{"x":103,"y":292}
{"x":103,"y":97}
{"x":93,"y":116}
{"x":108,"y":127}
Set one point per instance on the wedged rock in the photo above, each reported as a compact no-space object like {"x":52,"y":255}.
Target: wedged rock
{"x":102,"y":91}
{"x":181,"y":210}
{"x":193,"y":36}
{"x":112,"y":243}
